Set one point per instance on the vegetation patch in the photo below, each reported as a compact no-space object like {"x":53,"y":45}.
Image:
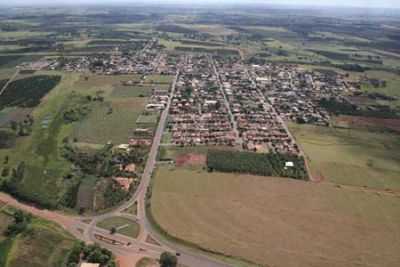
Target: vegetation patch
{"x":85,"y":194}
{"x":8,"y":60}
{"x":7,"y":139}
{"x":120,"y":225}
{"x":147,"y":119}
{"x":29,"y":91}
{"x":218,"y":51}
{"x":260,"y":164}
{"x":34,"y":242}
{"x":351,"y":156}
{"x":90,"y":253}
{"x":123,"y":91}
{"x":110,"y":121}
{"x":174,"y":29}
{"x":344,"y":107}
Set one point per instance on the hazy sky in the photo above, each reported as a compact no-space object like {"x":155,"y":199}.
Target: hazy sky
{"x":356,"y":3}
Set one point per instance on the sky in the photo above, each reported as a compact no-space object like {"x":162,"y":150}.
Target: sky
{"x":335,"y":3}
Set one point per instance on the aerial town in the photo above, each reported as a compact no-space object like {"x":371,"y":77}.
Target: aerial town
{"x":190,"y":135}
{"x":221,"y":101}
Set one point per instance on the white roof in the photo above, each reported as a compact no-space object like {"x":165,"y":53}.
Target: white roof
{"x":86,"y":264}
{"x":289,"y":164}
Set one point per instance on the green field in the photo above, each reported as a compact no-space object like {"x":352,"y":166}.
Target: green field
{"x":122,"y":225}
{"x":392,"y":87}
{"x":101,"y":126}
{"x":351,"y":157}
{"x":148,"y":119}
{"x":275,"y":221}
{"x":132,"y":209}
{"x":112,"y":120}
{"x":42,"y":181}
{"x":131,"y":91}
{"x":45,"y":245}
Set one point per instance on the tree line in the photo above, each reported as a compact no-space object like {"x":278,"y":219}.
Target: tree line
{"x":267,"y":164}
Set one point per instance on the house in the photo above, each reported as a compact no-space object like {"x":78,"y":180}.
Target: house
{"x":124,"y":182}
{"x":86,"y":264}
{"x":289,"y":164}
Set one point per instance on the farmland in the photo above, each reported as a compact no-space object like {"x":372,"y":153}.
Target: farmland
{"x":351,"y":156}
{"x":28,"y":92}
{"x":277,"y":222}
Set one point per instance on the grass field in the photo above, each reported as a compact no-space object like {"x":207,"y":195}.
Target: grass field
{"x":91,"y":83}
{"x":148,"y":119}
{"x":21,"y":34}
{"x":213,"y":29}
{"x":44,"y":166}
{"x":392,"y":87}
{"x":159,"y":79}
{"x":131,"y":91}
{"x":351,"y":157}
{"x":278,"y":222}
{"x":45,"y":245}
{"x":132,"y":209}
{"x":123,"y":226}
{"x":172,"y":152}
{"x":146,"y":262}
{"x":111,"y":120}
{"x":101,"y":126}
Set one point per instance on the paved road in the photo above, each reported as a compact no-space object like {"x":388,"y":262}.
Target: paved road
{"x":84,"y":228}
{"x":239,"y":140}
{"x":267,"y":105}
{"x":139,"y":245}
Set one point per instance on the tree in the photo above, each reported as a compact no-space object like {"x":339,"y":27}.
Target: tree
{"x":113,"y":230}
{"x":168,"y":259}
{"x":5,"y":172}
{"x":14,"y":125}
{"x":21,"y":222}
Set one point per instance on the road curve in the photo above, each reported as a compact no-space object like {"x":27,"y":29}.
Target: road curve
{"x":85,"y":227}
{"x":187,"y":256}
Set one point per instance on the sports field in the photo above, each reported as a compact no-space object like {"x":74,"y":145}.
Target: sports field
{"x":278,"y":222}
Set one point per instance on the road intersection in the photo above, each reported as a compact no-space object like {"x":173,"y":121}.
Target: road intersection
{"x":85,"y":228}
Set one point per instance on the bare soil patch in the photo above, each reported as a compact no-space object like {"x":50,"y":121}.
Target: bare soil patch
{"x":190,"y":159}
{"x":368,"y":122}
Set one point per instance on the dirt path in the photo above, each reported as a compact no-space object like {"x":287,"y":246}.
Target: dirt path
{"x":387,"y":192}
{"x":2,"y":90}
{"x":67,"y":222}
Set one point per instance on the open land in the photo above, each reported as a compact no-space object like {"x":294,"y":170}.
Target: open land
{"x":275,"y":221}
{"x":46,"y":244}
{"x":351,"y":156}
